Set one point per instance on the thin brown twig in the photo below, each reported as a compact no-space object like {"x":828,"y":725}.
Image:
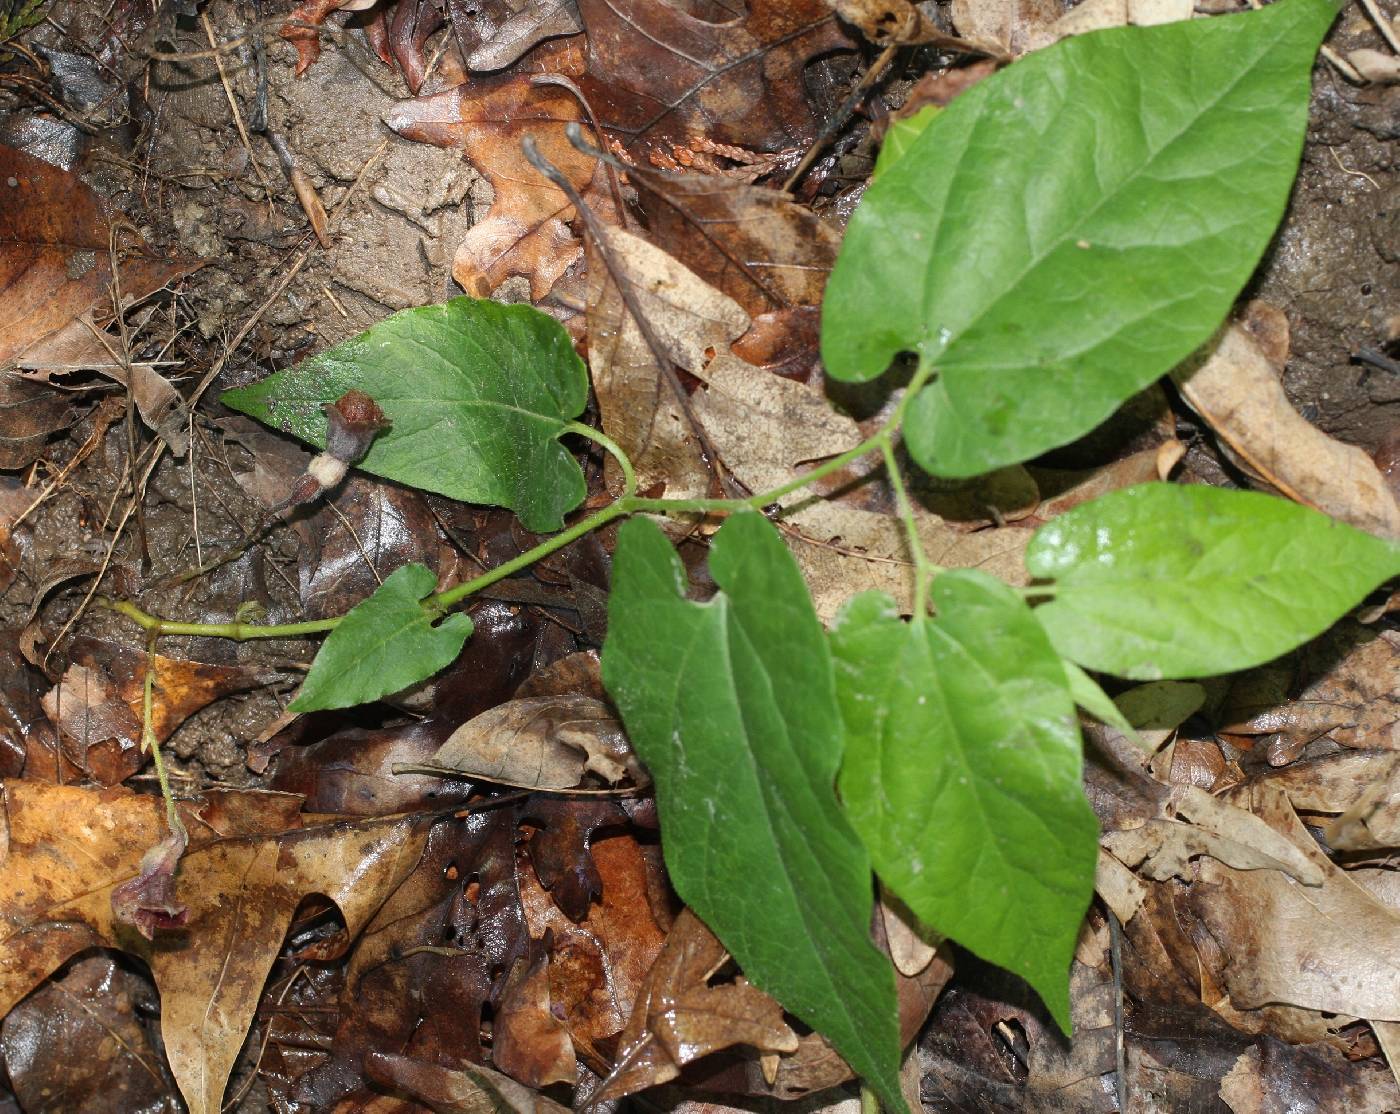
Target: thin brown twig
{"x":233,"y":107}
{"x":842,"y":114}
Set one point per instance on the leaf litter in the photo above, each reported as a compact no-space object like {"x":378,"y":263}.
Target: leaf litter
{"x":524,"y":916}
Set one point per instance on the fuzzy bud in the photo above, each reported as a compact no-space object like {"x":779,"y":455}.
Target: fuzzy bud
{"x":353,"y":421}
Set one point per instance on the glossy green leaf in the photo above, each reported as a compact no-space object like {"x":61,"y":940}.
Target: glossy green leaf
{"x":478,"y":393}
{"x":732,"y":706}
{"x":383,"y":645}
{"x":1167,"y":581}
{"x":1067,"y":231}
{"x":962,"y":773}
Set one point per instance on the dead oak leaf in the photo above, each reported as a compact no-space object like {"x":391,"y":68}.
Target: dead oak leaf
{"x":680,"y":1017}
{"x":66,"y":849}
{"x":526,"y":230}
{"x":55,"y":259}
{"x":658,"y":74}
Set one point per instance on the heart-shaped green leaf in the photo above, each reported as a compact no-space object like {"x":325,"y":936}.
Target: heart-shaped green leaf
{"x":478,"y":393}
{"x":732,"y":706}
{"x":385,"y":644}
{"x":1069,"y":230}
{"x":1165,"y":581}
{"x":962,"y":773}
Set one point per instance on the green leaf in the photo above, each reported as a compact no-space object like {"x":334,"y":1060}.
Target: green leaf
{"x":478,"y":393}
{"x":962,"y":773}
{"x":732,"y":706}
{"x":900,"y":137}
{"x":384,"y":644}
{"x":1164,"y":581}
{"x":1067,"y":231}
{"x":1091,"y":697}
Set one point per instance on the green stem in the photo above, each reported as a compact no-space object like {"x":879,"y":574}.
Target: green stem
{"x":630,"y":503}
{"x":148,"y":737}
{"x":603,"y":441}
{"x":924,"y":569}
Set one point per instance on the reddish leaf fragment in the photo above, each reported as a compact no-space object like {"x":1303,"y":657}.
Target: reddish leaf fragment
{"x":307,"y":40}
{"x":530,"y":1042}
{"x":658,"y":74}
{"x":560,"y":851}
{"x":55,"y":260}
{"x":680,"y":1017}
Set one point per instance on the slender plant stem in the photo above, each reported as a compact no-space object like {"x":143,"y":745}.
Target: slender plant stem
{"x":924,"y":569}
{"x":630,"y":503}
{"x":603,"y":441}
{"x":148,"y":737}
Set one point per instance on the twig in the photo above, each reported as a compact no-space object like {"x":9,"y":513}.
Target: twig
{"x":233,"y":107}
{"x":842,"y":114}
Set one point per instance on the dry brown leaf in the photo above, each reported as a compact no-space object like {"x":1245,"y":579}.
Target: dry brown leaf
{"x":65,"y":851}
{"x":1328,"y":948}
{"x":912,"y":946}
{"x":1097,"y":15}
{"x":471,"y":1089}
{"x":658,"y":75}
{"x":1005,"y":26}
{"x":97,"y":703}
{"x":1271,"y":1076}
{"x":679,"y":1017}
{"x":757,"y":246}
{"x":884,"y":22}
{"x":542,"y":742}
{"x":1360,"y":789}
{"x":1235,"y":387}
{"x":55,"y":261}
{"x":526,"y":230}
{"x":494,"y":33}
{"x":30,"y":414}
{"x":1355,"y":702}
{"x":1376,"y":66}
{"x":528,"y":1042}
{"x":614,"y":946}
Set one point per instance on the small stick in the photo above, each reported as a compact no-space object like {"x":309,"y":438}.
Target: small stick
{"x":838,"y":121}
{"x":233,"y":106}
{"x":1386,"y":28}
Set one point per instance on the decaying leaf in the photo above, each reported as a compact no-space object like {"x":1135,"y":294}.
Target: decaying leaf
{"x":658,"y":74}
{"x":1358,"y":790}
{"x":1005,"y":26}
{"x":66,"y":849}
{"x":680,"y":1017}
{"x":97,"y":703}
{"x":528,"y":1042}
{"x":1327,"y":947}
{"x":1236,"y":388}
{"x":55,"y":252}
{"x":30,"y":414}
{"x":542,"y":742}
{"x":471,"y":1089}
{"x":494,"y":33}
{"x":526,"y":230}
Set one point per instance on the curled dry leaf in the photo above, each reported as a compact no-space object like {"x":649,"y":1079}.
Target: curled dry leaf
{"x":55,"y":259}
{"x":1236,"y":388}
{"x":494,"y":33}
{"x":528,"y":1041}
{"x":1322,"y":948}
{"x":471,"y":1089}
{"x":1360,"y":791}
{"x":526,"y":230}
{"x":679,"y":1016}
{"x":542,"y":742}
{"x":67,"y":849}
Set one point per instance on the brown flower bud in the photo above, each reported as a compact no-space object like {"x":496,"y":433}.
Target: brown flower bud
{"x":353,"y":421}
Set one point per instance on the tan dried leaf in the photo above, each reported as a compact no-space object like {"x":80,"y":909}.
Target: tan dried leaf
{"x":470,"y":1089}
{"x":542,"y":742}
{"x":1325,"y":948}
{"x":1235,"y":387}
{"x":63,"y":850}
{"x":680,"y":1017}
{"x":528,"y":1042}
